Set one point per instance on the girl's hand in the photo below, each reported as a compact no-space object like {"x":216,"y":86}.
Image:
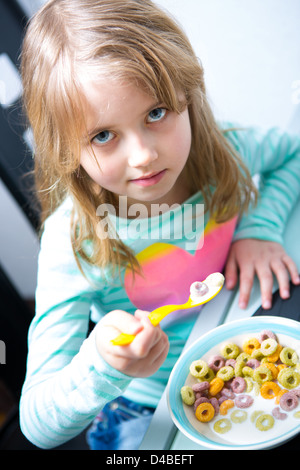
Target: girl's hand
{"x":144,"y":355}
{"x":264,"y":258}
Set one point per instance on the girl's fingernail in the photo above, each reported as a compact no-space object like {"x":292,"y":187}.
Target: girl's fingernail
{"x":266,"y":304}
{"x":285,"y":294}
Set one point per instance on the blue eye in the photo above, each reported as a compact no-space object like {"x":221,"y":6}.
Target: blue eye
{"x":156,"y":114}
{"x":103,"y":137}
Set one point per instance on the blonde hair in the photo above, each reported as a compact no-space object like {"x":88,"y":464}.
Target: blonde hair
{"x":132,"y":40}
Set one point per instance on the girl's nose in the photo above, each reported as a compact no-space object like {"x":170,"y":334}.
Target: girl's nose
{"x":141,"y":151}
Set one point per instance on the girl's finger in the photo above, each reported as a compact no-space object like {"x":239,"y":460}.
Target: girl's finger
{"x":153,"y":360}
{"x":123,"y":322}
{"x":160,"y":350}
{"x":265,"y":277}
{"x":292,"y":268}
{"x":146,"y":339}
{"x":282,"y":275}
{"x":231,"y":272}
{"x":246,"y":283}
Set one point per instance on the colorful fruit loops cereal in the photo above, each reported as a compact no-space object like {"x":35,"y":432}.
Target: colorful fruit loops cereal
{"x":205,"y":412}
{"x":261,"y":365}
{"x":264,"y":422}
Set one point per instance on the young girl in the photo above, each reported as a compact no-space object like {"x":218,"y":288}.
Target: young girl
{"x":116,"y":100}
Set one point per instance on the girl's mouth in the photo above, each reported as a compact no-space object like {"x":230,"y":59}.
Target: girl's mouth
{"x":150,"y":179}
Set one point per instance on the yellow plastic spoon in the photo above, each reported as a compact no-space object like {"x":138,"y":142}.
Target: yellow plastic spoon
{"x":201,"y":293}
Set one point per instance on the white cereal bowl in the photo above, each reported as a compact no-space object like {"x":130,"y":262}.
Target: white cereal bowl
{"x":242,"y":436}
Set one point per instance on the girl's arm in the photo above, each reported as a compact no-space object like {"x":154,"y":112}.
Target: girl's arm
{"x":70,"y":377}
{"x":274,"y":156}
{"x":66,"y":376}
{"x":66,"y":387}
{"x":258,"y":250}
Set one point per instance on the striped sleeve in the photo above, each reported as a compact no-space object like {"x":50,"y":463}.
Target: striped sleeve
{"x":67,"y":382}
{"x":274,"y":156}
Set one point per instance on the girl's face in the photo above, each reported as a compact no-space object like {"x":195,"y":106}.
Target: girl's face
{"x":140,"y":146}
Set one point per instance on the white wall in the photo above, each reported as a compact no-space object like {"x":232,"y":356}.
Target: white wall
{"x":250,"y":50}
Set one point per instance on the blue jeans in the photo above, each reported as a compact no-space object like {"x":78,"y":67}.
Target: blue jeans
{"x":121,"y":425}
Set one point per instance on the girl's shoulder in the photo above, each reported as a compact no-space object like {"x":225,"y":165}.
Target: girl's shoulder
{"x":62,"y":212}
{"x":252,"y":134}
{"x":60,"y":217}
{"x":247,"y":140}
{"x":236,"y":132}
{"x":56,"y":228}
